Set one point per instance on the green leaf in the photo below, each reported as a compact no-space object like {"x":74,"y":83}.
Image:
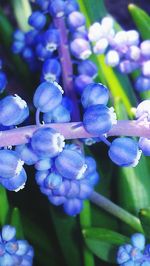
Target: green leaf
{"x":46,"y":252}
{"x":141,"y":19}
{"x":133,"y":187}
{"x":4,"y":206}
{"x":144,"y":216}
{"x":68,"y":236}
{"x":95,"y":11}
{"x":104,"y":243}
{"x":99,"y":217}
{"x":85,"y":221}
{"x":16,"y":222}
{"x":22,"y":11}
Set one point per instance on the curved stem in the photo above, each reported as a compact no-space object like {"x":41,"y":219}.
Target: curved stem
{"x":73,"y":130}
{"x":117,"y":211}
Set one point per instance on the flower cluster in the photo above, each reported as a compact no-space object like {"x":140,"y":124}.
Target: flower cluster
{"x":13,"y":251}
{"x":63,"y":172}
{"x":135,"y":252}
{"x":40,"y":45}
{"x":122,"y":50}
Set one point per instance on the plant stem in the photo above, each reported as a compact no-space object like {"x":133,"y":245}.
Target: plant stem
{"x":67,"y":68}
{"x":74,"y":130}
{"x":86,"y":221}
{"x":117,"y":211}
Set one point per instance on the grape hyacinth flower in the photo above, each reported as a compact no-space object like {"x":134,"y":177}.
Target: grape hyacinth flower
{"x":47,"y":96}
{"x":81,"y":81}
{"x":124,"y":152}
{"x":57,"y":8}
{"x":87,"y":67}
{"x":70,"y":164}
{"x":68,"y":179}
{"x":143,"y":110}
{"x":13,"y":110}
{"x":80,"y":48}
{"x":93,"y":94}
{"x":98,"y":119}
{"x":37,"y":20}
{"x":135,"y":252}
{"x":51,"y":70}
{"x":47,"y":142}
{"x":13,"y":251}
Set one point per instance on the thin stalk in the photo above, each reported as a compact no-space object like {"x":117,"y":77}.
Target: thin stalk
{"x":117,"y":211}
{"x":67,"y":67}
{"x":74,"y":130}
{"x":85,"y":222}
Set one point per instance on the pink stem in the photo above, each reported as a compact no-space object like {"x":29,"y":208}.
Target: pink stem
{"x":74,"y":130}
{"x":66,"y":63}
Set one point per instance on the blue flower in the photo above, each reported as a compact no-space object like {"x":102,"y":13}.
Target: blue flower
{"x":81,"y":81}
{"x":80,"y":48}
{"x":37,"y":20}
{"x":124,"y":152}
{"x":143,"y":110}
{"x":93,"y":94}
{"x":70,"y":164}
{"x":70,"y":6}
{"x":47,"y":96}
{"x":87,"y":67}
{"x":10,"y":163}
{"x":144,"y":145}
{"x":47,"y":142}
{"x":13,"y":251}
{"x":51,"y":39}
{"x":13,"y":110}
{"x":51,"y":70}
{"x":98,"y":119}
{"x":57,"y":8}
{"x":43,"y":164}
{"x":73,"y":206}
{"x":26,"y":153}
{"x":142,"y":84}
{"x":75,"y":19}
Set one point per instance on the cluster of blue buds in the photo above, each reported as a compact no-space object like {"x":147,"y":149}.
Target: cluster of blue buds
{"x":122,"y":50}
{"x":12,"y":251}
{"x":134,"y":253}
{"x":41,"y":43}
{"x":63,"y":172}
{"x":67,"y":179}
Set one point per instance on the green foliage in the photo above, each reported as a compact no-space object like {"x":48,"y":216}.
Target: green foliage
{"x":141,"y":20}
{"x":103,"y":242}
{"x":22,"y":11}
{"x":16,"y":222}
{"x":4,"y":206}
{"x":144,"y":215}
